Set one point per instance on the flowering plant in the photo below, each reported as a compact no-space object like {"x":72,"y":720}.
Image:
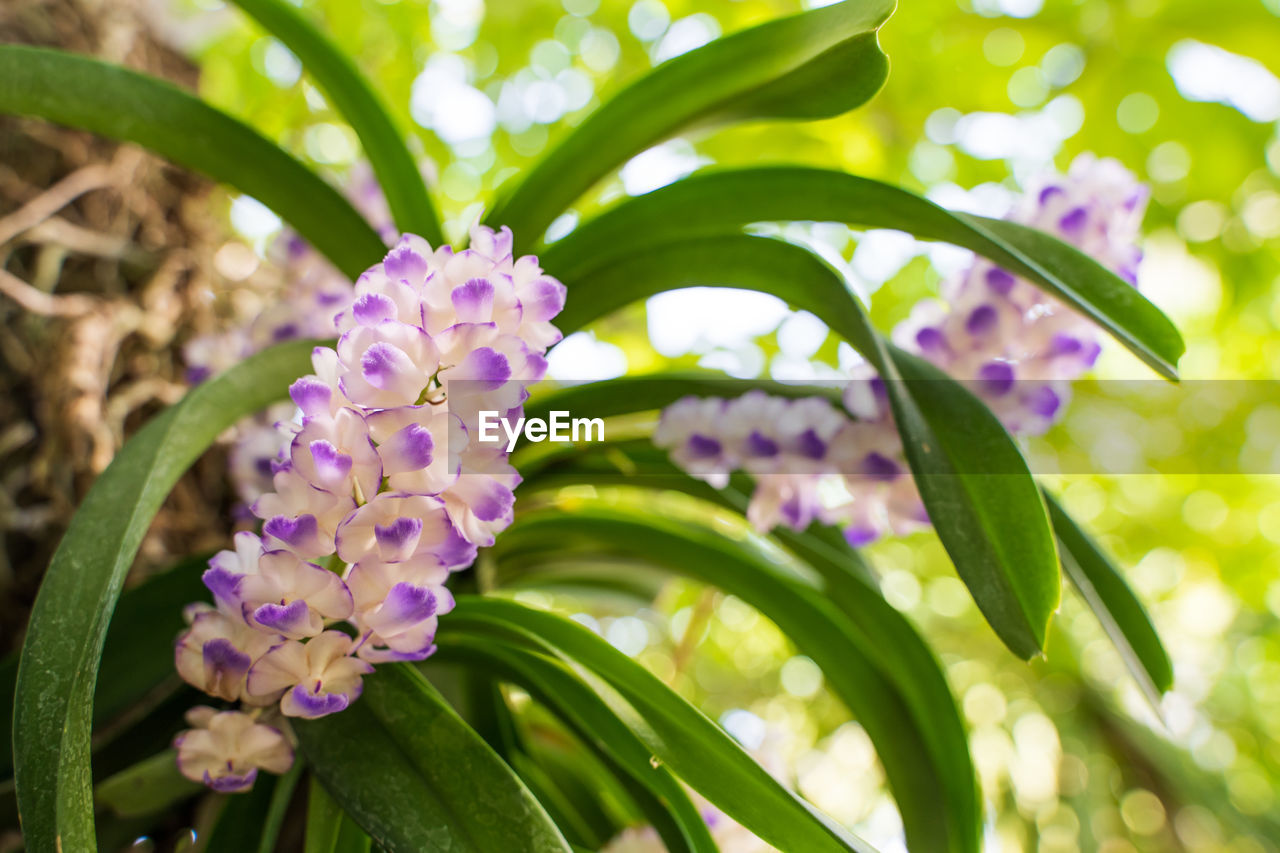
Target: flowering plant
{"x":377,"y":496}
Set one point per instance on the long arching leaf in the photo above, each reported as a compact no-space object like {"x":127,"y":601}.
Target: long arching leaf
{"x":1107,"y":594}
{"x":416,"y":777}
{"x":715,"y":202}
{"x":939,"y":807}
{"x":337,"y":75}
{"x":112,"y":101}
{"x":816,"y":64}
{"x":575,"y":702}
{"x":53,"y":708}
{"x":695,"y":749}
{"x":976,"y":486}
{"x":881,"y":634}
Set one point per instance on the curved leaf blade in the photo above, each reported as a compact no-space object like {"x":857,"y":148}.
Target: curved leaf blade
{"x":695,"y":748}
{"x":1114,"y":603}
{"x":881,"y":633}
{"x":976,"y":486}
{"x":60,"y":657}
{"x":573,"y":700}
{"x":713,"y":202}
{"x":415,"y":777}
{"x":932,"y":779}
{"x":782,"y":69}
{"x":329,"y":829}
{"x":359,"y":104}
{"x":112,"y":101}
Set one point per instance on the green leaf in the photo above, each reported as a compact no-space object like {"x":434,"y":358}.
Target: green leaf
{"x":713,"y":202}
{"x":881,"y":634}
{"x":149,"y":786}
{"x":59,"y":664}
{"x":329,"y":830}
{"x":975,"y":484}
{"x":273,"y":820}
{"x":592,"y":718}
{"x":359,"y":104}
{"x":1119,"y":610}
{"x":416,"y":777}
{"x":931,"y":776}
{"x":677,"y":734}
{"x":112,"y":101}
{"x":816,"y":64}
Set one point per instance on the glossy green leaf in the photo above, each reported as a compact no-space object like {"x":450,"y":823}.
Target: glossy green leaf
{"x":416,"y":777}
{"x":881,"y":634}
{"x":359,"y":104}
{"x":278,"y":808}
{"x":931,"y":777}
{"x":1118,"y":609}
{"x":112,"y":101}
{"x":137,"y":658}
{"x":590,"y":716}
{"x":328,"y":829}
{"x":677,"y":734}
{"x":816,"y":64}
{"x":711,"y":203}
{"x":976,"y":486}
{"x":59,"y":664}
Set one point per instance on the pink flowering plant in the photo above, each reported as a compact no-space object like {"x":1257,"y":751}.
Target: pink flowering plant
{"x":359,"y":634}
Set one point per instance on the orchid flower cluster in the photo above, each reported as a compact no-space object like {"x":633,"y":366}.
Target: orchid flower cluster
{"x":311,"y":291}
{"x":1015,"y":346}
{"x":382,"y":491}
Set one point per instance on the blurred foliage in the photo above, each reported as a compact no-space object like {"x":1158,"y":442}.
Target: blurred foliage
{"x":980,"y":94}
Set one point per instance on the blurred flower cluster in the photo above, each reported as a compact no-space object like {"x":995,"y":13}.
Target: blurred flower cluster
{"x":379,"y":493}
{"x":1013,"y":345}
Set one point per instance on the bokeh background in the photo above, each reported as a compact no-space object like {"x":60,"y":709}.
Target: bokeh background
{"x":982,"y":94}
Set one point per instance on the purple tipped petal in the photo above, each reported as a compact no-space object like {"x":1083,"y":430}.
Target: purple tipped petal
{"x":407,"y":604}
{"x":225,"y":586}
{"x":1049,"y":192}
{"x":488,"y":366}
{"x":474,"y":300}
{"x":297,"y":532}
{"x":316,"y":704}
{"x":231,"y":784}
{"x":760,"y":445}
{"x":382,"y":363}
{"x":859,"y":535}
{"x":331,"y":464}
{"x":1065,"y":345}
{"x":222,"y":660}
{"x":311,"y":395}
{"x":372,"y":308}
{"x":931,"y":340}
{"x":793,"y":513}
{"x":1044,"y":402}
{"x":400,"y":536}
{"x":1074,"y":220}
{"x":286,"y":619}
{"x":996,"y":377}
{"x":411,"y":448}
{"x":880,"y":467}
{"x":810,"y":446}
{"x":982,"y":320}
{"x":405,"y":264}
{"x":703,"y":446}
{"x":1001,"y":281}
